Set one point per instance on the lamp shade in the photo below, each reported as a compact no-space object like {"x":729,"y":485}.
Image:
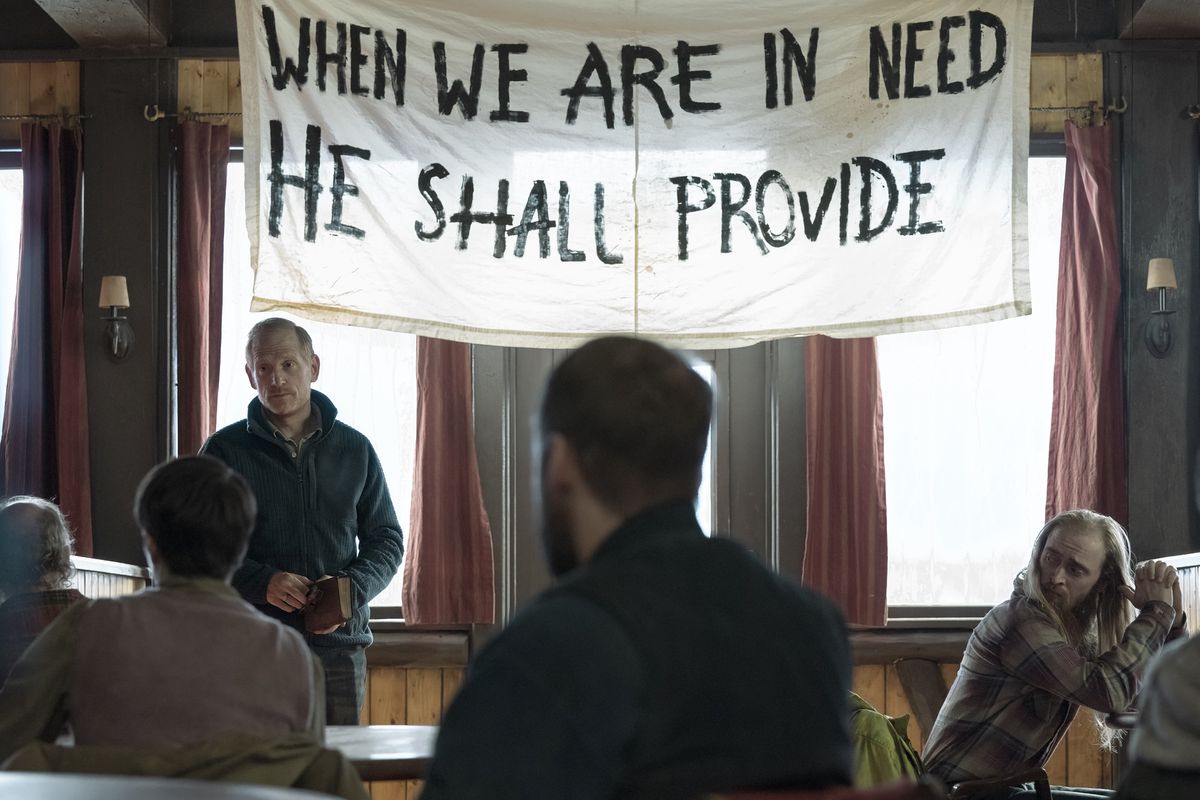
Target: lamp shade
{"x":1161,"y":274}
{"x":114,"y":293}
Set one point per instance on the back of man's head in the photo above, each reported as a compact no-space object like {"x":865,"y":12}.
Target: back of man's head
{"x":35,"y":545}
{"x":198,"y":513}
{"x":637,"y":416}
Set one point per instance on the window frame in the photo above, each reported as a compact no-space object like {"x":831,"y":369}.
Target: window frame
{"x":1041,"y":145}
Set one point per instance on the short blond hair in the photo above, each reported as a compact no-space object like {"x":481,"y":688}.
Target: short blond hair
{"x":278,"y":325}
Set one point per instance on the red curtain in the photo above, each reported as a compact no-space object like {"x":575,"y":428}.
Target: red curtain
{"x":203,"y":158}
{"x":845,"y":548}
{"x":448,"y":567}
{"x":1087,"y":425}
{"x":44,"y":443}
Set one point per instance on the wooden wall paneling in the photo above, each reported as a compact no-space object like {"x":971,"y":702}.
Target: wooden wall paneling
{"x":215,"y":90}
{"x":390,"y":790}
{"x":1087,"y":763}
{"x":868,"y":683}
{"x":388,"y":695}
{"x":1189,"y":587}
{"x":42,"y":98}
{"x":92,"y":584}
{"x":66,"y":85}
{"x":1084,"y":83}
{"x":234,"y":82}
{"x":896,"y":705}
{"x":452,"y":678}
{"x":424,"y":705}
{"x":1047,"y":88}
{"x":191,"y":84}
{"x":1056,"y":767}
{"x":424,"y":696}
{"x":949,"y":673}
{"x":364,"y":714}
{"x":14,"y":98}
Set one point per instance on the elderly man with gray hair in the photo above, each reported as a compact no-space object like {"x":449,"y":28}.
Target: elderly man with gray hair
{"x":35,"y":567}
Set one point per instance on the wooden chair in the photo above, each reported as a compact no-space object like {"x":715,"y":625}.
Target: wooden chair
{"x":900,"y":790}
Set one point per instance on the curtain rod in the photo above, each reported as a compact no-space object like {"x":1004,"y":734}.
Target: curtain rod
{"x":1090,"y":109}
{"x":35,"y":117}
{"x":153,"y":114}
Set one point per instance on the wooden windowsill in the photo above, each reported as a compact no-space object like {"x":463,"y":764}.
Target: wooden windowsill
{"x":889,"y":645}
{"x":99,"y":565}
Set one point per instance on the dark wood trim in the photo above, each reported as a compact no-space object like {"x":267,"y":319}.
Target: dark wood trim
{"x":419,"y":649}
{"x":1145,"y":45}
{"x":1047,"y":145}
{"x":120,"y":54}
{"x":888,"y":646}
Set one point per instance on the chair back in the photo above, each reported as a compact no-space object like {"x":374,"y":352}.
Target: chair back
{"x":898,"y":790}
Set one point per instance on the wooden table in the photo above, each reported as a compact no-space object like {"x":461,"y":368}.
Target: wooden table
{"x":42,"y":786}
{"x":384,"y":752}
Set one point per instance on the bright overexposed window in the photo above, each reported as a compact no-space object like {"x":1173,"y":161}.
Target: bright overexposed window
{"x":11,"y":185}
{"x":370,"y":375}
{"x":704,"y":498}
{"x":966,"y":435}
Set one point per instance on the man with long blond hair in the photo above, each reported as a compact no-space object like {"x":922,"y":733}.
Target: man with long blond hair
{"x":35,"y":570}
{"x":1066,"y":638}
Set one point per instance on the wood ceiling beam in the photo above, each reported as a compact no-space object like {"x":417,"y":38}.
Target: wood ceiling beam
{"x":112,"y":23}
{"x":1162,"y":19}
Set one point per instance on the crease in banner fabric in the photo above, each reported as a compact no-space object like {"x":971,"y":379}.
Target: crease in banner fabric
{"x":540,"y":173}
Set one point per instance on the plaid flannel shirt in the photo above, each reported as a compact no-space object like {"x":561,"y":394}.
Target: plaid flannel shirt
{"x":1021,"y":683}
{"x":24,"y":616}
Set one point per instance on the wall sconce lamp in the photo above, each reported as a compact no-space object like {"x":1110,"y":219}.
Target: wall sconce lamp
{"x":118,"y":333}
{"x":1160,"y":276}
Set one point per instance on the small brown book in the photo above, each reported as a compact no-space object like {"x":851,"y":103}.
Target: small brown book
{"x":328,"y":603}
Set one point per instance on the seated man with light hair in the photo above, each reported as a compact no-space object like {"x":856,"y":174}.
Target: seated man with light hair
{"x":177,"y":664}
{"x":1066,"y":638}
{"x":35,"y":568}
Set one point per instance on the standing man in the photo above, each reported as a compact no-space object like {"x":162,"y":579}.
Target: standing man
{"x":1064,"y":639}
{"x":663,"y":663}
{"x":323,"y":506}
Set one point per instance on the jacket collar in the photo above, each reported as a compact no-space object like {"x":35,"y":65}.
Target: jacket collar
{"x":675,"y":519}
{"x":256,"y":418}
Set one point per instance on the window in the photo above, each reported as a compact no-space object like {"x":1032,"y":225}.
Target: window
{"x":966,"y":433}
{"x":369,"y":374}
{"x":11,"y":187}
{"x":704,"y":498}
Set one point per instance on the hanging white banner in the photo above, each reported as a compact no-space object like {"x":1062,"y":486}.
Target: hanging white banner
{"x":537,"y":173}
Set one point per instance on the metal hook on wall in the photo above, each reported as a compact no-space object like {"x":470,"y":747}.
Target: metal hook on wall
{"x":152,"y":114}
